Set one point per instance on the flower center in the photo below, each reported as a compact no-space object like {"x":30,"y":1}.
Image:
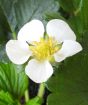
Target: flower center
{"x":45,"y":48}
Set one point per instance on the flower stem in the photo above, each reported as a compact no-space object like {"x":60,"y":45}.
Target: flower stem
{"x":26,"y":96}
{"x":41,"y":90}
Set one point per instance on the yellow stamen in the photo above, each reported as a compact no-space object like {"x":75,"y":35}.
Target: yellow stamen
{"x":45,"y":48}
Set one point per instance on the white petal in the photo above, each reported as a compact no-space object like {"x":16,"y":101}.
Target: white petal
{"x":16,"y":53}
{"x":39,"y":71}
{"x":59,"y":56}
{"x":69,"y":48}
{"x":60,"y":30}
{"x":31,"y":31}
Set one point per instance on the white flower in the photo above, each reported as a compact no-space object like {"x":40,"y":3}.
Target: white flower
{"x":60,"y":43}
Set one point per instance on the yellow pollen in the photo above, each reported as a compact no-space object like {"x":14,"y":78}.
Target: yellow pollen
{"x":45,"y":48}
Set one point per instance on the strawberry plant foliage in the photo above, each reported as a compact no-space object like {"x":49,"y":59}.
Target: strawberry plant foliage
{"x":12,"y":79}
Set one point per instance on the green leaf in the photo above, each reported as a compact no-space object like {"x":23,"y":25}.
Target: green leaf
{"x":4,"y":27}
{"x":69,"y":85}
{"x":6,"y":99}
{"x":34,"y":101}
{"x":12,"y":79}
{"x":70,"y":82}
{"x":33,"y":9}
{"x":7,"y":15}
